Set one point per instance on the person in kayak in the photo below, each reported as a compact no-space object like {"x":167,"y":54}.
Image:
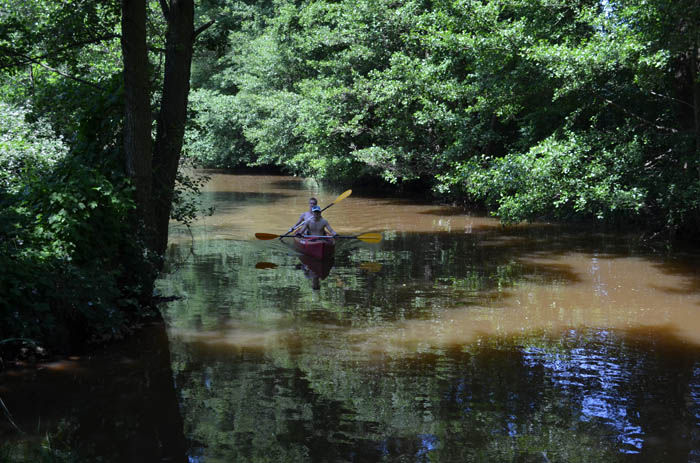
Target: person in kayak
{"x":306,"y":215}
{"x":317,"y":225}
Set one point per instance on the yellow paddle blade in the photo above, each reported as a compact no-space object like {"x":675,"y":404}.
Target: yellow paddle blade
{"x":370,"y":237}
{"x":371,"y":266}
{"x":266,"y":236}
{"x":342,"y":196}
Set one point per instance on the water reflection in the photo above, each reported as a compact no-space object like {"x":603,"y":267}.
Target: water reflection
{"x":574,"y":371}
{"x":315,"y":270}
{"x":112,"y":406}
{"x":482,"y":403}
{"x":451,"y":340}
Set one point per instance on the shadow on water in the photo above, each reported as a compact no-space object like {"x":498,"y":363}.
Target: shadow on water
{"x":685,"y":267}
{"x":240,"y":198}
{"x":115,"y":406}
{"x":428,"y":270}
{"x":516,"y":344}
{"x":297,"y":185}
{"x":445,"y":211}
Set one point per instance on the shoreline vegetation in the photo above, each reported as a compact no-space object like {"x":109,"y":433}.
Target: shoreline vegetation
{"x":581,"y":112}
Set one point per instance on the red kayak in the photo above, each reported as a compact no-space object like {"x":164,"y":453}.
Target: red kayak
{"x":318,"y":248}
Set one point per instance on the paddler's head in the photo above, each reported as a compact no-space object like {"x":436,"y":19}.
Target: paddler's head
{"x":312,"y":202}
{"x":316,"y":211}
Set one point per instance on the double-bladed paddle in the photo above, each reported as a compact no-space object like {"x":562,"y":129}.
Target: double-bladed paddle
{"x":366,"y":237}
{"x":340,"y":197}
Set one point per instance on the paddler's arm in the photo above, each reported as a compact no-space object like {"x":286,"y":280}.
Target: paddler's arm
{"x":303,"y":229}
{"x":301,"y":219}
{"x":330,"y":229}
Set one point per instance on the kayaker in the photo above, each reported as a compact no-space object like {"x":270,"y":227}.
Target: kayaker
{"x":317,"y":226}
{"x":306,"y":215}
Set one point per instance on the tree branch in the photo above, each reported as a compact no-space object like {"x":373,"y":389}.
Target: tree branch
{"x":79,"y":44}
{"x":26,"y":59}
{"x":8,"y":415}
{"x":203,"y":28}
{"x":29,"y":59}
{"x":16,"y":62}
{"x":638,"y":117}
{"x":666,"y":97}
{"x":68,"y":76}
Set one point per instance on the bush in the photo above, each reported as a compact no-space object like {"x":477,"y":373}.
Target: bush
{"x":565,"y":177}
{"x":70,"y":260}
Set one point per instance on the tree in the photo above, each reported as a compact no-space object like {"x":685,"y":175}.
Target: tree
{"x":63,"y":68}
{"x":153,"y":172}
{"x":173,"y":111}
{"x":549,"y":109}
{"x":137,"y":112}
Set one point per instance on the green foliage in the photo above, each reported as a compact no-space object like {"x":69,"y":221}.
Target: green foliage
{"x":565,"y":177}
{"x":25,"y":147}
{"x":187,"y":205}
{"x":29,"y":25}
{"x":211,"y":137}
{"x":72,"y":256}
{"x":69,"y":260}
{"x":55,"y":447}
{"x":456,"y":94}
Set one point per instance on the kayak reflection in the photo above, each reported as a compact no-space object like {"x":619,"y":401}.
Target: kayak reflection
{"x":315,"y":269}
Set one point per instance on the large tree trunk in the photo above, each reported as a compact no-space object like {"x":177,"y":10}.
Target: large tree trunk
{"x":137,"y":112}
{"x":173,"y":112}
{"x":695,"y":82}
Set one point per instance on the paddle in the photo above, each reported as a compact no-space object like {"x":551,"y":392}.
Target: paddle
{"x":265,"y":265}
{"x":340,"y":197}
{"x":366,"y":237}
{"x":371,"y":266}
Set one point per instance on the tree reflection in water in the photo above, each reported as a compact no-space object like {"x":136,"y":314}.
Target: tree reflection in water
{"x":113,"y":406}
{"x":588,"y":395}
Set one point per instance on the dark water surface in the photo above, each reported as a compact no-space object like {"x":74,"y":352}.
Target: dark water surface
{"x":453,"y":339}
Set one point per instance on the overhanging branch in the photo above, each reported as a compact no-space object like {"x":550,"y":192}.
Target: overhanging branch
{"x":203,"y":28}
{"x":637,"y":116}
{"x":666,"y":97}
{"x":81,"y":43}
{"x":66,"y":75}
{"x":23,"y":59}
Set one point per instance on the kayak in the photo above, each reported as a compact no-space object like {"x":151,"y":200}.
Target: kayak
{"x":318,"y":248}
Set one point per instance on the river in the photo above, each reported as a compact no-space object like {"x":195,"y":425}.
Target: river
{"x":452,"y":339}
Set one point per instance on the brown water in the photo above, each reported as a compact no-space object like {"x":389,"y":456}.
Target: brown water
{"x":453,"y":339}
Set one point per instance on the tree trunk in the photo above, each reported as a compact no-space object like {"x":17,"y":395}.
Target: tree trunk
{"x":137,"y":112}
{"x":695,"y":82}
{"x":173,"y":113}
